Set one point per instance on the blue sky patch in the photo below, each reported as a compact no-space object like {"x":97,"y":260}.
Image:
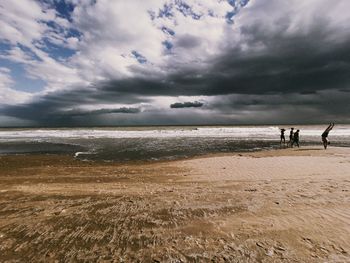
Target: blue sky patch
{"x":229,"y":17}
{"x":186,"y":10}
{"x":237,"y":5}
{"x":4,"y":47}
{"x":141,"y":59}
{"x":28,"y":52}
{"x":168,"y":31}
{"x":166,"y":11}
{"x":63,"y":8}
{"x":57,"y":52}
{"x":167,"y":44}
{"x":22,"y":83}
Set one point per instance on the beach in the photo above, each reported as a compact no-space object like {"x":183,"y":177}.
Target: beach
{"x":174,"y":131}
{"x":288,"y":205}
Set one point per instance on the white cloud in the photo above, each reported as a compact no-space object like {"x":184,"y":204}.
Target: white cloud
{"x":24,"y":25}
{"x":7,"y":94}
{"x":111,"y":32}
{"x":16,"y":54}
{"x":20,"y":21}
{"x":113,"y":29}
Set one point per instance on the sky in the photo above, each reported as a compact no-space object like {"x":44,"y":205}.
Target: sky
{"x":174,"y":62}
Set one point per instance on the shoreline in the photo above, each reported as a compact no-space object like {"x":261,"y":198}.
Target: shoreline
{"x":261,"y":152}
{"x":288,"y":205}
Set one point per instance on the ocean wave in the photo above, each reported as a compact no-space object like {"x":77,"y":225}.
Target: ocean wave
{"x":259,"y":132}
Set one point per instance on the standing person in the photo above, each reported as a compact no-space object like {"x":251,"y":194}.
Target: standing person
{"x":291,"y":136}
{"x":325,"y":135}
{"x":296,"y":138}
{"x":282,"y":136}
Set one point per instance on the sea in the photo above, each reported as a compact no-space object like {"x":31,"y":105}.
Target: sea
{"x":125,"y":144}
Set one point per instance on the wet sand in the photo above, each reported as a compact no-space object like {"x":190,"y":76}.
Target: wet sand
{"x":290,"y":205}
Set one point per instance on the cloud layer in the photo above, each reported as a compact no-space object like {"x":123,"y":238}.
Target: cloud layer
{"x":266,"y":61}
{"x":178,"y":105}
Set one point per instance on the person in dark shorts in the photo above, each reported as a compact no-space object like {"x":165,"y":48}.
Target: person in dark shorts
{"x":282,"y":136}
{"x":296,"y":138}
{"x":324,"y":135}
{"x":291,"y":136}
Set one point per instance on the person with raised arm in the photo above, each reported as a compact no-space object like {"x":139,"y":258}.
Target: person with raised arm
{"x":324,"y":135}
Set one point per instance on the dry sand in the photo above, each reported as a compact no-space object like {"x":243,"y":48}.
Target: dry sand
{"x":288,"y":205}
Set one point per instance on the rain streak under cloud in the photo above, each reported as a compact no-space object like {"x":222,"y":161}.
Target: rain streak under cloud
{"x":83,"y":62}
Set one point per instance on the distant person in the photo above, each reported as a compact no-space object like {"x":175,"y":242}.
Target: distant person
{"x":282,"y":136}
{"x":291,"y":134}
{"x":296,"y":138}
{"x":325,"y":135}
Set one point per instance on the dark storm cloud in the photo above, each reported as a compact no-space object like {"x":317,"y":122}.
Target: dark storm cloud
{"x":102,"y":111}
{"x":321,"y":107}
{"x":286,"y":64}
{"x":195,"y":104}
{"x":56,"y":109}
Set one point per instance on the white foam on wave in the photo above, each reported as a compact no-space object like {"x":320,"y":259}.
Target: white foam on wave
{"x":156,"y":133}
{"x":258,"y":132}
{"x":80,"y":153}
